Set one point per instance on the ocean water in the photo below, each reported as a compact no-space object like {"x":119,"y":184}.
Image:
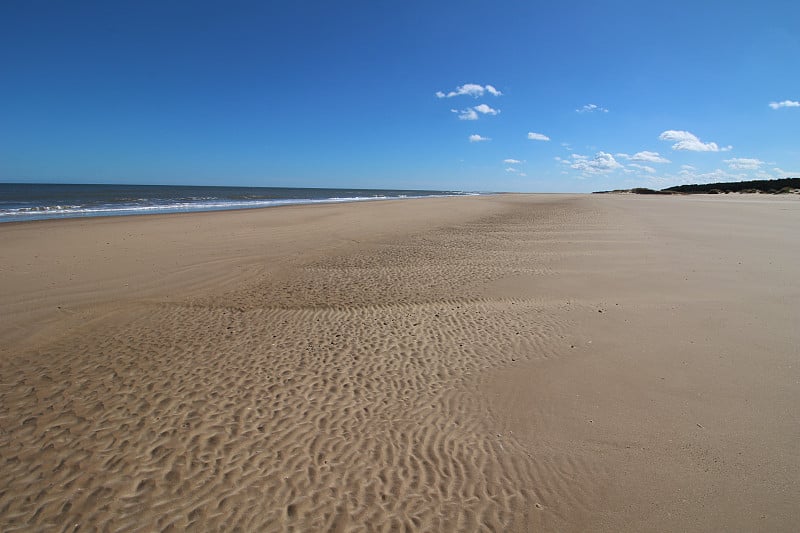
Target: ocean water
{"x":29,"y":201}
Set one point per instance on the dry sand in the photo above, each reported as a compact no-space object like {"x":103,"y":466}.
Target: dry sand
{"x":517,"y":363}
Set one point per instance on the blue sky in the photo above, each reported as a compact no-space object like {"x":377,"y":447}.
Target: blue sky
{"x":521,"y":96}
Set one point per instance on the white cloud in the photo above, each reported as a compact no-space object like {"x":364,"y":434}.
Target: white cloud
{"x":512,"y":169}
{"x":466,"y":114}
{"x":743,"y":163}
{"x":471,"y":113}
{"x":591,"y":108}
{"x":475,"y":138}
{"x":470,"y":89}
{"x":750,"y":171}
{"x":715,"y":176}
{"x":485,"y":109}
{"x":649,"y":157}
{"x":645,"y":156}
{"x":512,"y":161}
{"x":649,"y":170}
{"x":688,"y":141}
{"x":785,"y":103}
{"x":786,"y":173}
{"x":602,"y":163}
{"x":537,"y":136}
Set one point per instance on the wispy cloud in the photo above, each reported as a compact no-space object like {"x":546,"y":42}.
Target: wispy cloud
{"x":466,"y":114}
{"x":471,"y":113}
{"x":715,"y":176}
{"x":786,"y":173}
{"x":591,"y":108}
{"x":743,"y":163}
{"x":601,"y":163}
{"x":645,"y":168}
{"x":533,"y":136}
{"x":470,"y":89}
{"x":785,"y":103}
{"x":475,"y":138}
{"x":739,"y":169}
{"x":685,"y":140}
{"x":649,"y":157}
{"x":645,"y":156}
{"x":512,"y":161}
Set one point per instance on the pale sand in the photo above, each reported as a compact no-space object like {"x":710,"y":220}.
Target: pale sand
{"x":500,"y":363}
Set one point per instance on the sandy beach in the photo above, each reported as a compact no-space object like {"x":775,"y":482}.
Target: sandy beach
{"x":498,"y":363}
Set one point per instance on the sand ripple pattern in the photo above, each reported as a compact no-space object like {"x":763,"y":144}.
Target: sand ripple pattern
{"x":338,"y":396}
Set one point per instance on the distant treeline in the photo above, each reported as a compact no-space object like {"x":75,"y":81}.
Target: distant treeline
{"x":766,"y":186}
{"x":783,"y":185}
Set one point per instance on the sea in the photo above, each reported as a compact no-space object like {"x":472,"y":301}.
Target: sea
{"x":30,"y":201}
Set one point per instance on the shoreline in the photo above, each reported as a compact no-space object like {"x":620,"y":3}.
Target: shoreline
{"x":516,"y":362}
{"x":155,"y":204}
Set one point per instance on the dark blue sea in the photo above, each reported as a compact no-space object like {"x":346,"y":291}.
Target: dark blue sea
{"x":28,"y":201}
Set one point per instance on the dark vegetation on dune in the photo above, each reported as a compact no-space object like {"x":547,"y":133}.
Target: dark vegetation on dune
{"x":778,"y":186}
{"x":783,"y":185}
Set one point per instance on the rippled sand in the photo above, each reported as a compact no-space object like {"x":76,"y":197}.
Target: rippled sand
{"x":496,"y":363}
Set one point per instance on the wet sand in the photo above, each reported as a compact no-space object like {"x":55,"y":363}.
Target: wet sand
{"x":515,"y":362}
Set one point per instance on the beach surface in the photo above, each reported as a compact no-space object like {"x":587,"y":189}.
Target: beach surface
{"x":497,"y":363}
